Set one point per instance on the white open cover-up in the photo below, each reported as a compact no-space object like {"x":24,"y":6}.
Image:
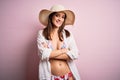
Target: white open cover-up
{"x":44,"y":53}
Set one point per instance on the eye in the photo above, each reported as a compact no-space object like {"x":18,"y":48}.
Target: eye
{"x":63,"y":17}
{"x":56,"y":15}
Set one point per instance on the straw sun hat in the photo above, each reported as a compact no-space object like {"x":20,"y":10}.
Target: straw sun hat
{"x":44,"y":14}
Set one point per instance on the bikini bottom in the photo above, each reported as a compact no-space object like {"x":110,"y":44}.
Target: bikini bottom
{"x":63,"y":77}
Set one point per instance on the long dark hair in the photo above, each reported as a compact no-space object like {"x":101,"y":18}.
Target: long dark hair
{"x":47,"y":31}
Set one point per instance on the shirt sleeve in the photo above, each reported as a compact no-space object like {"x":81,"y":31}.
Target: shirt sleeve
{"x":73,"y":50}
{"x":43,"y":52}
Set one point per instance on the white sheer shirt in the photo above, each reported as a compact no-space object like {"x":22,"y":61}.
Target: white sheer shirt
{"x":44,"y":53}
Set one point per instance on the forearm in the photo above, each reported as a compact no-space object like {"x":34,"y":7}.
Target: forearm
{"x":59,"y":54}
{"x":55,"y":53}
{"x":63,"y":56}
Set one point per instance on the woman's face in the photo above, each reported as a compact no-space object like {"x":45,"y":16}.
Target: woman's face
{"x":58,"y":19}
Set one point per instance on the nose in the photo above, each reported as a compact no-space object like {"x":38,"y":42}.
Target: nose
{"x":60,"y":18}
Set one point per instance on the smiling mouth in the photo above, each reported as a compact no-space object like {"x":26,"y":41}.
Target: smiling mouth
{"x":58,"y":22}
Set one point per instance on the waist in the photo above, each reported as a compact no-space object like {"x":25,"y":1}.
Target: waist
{"x":59,"y":67}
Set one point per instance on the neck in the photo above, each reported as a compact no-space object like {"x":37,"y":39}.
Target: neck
{"x":55,"y":31}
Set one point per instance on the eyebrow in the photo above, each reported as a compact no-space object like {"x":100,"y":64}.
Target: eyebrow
{"x":60,"y":12}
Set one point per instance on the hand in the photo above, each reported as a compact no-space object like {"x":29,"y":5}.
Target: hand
{"x":64,"y":50}
{"x":44,"y":45}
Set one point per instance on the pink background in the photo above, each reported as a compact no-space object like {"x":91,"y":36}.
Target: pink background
{"x":96,"y":31}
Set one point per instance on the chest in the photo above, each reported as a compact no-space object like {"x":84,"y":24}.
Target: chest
{"x":56,"y":44}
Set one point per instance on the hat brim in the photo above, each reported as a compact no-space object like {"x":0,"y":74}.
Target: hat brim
{"x":44,"y":14}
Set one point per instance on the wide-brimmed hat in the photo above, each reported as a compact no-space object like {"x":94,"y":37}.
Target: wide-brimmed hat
{"x":44,"y":14}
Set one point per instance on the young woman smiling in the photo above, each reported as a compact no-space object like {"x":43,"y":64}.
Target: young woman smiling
{"x":56,"y":45}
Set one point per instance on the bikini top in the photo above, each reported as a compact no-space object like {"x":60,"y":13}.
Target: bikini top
{"x":50,"y":45}
{"x":63,"y":45}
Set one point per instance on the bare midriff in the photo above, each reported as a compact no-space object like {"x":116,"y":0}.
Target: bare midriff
{"x":59,"y":67}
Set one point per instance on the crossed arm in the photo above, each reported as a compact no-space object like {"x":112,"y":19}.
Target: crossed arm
{"x":45,"y":53}
{"x":58,"y":54}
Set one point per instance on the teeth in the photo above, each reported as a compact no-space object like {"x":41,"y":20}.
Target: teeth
{"x":58,"y":22}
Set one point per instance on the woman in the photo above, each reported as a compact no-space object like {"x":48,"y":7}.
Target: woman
{"x":56,"y":46}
